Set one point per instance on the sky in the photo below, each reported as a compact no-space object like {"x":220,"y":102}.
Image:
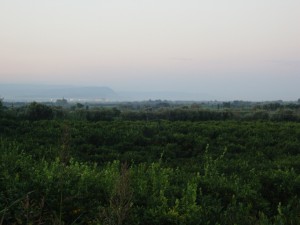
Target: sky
{"x":229,"y":50}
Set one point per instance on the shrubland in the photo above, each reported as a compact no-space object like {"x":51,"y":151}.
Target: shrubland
{"x":181,"y":165}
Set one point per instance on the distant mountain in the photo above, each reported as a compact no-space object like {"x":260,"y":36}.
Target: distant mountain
{"x":43,"y":93}
{"x":22,"y":92}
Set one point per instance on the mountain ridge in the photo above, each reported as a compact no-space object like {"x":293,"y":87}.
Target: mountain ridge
{"x":44,"y":92}
{"x":32,"y":92}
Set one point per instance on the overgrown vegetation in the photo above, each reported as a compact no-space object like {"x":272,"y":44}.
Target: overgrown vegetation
{"x":168,"y":165}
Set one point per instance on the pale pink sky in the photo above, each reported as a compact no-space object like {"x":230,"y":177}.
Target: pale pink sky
{"x":229,"y":49}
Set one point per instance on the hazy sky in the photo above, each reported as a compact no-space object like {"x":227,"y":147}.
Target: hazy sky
{"x":233,"y":49}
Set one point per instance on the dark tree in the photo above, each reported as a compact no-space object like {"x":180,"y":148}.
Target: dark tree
{"x":79,"y":106}
{"x":1,"y":105}
{"x":37,"y":111}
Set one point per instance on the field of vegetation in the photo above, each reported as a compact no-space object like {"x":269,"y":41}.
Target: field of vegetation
{"x":150,"y":164}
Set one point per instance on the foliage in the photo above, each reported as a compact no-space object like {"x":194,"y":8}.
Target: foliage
{"x":108,"y":166}
{"x":37,"y":111}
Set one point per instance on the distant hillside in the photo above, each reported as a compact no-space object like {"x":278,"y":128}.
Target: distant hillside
{"x":29,"y":92}
{"x":20,"y":92}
